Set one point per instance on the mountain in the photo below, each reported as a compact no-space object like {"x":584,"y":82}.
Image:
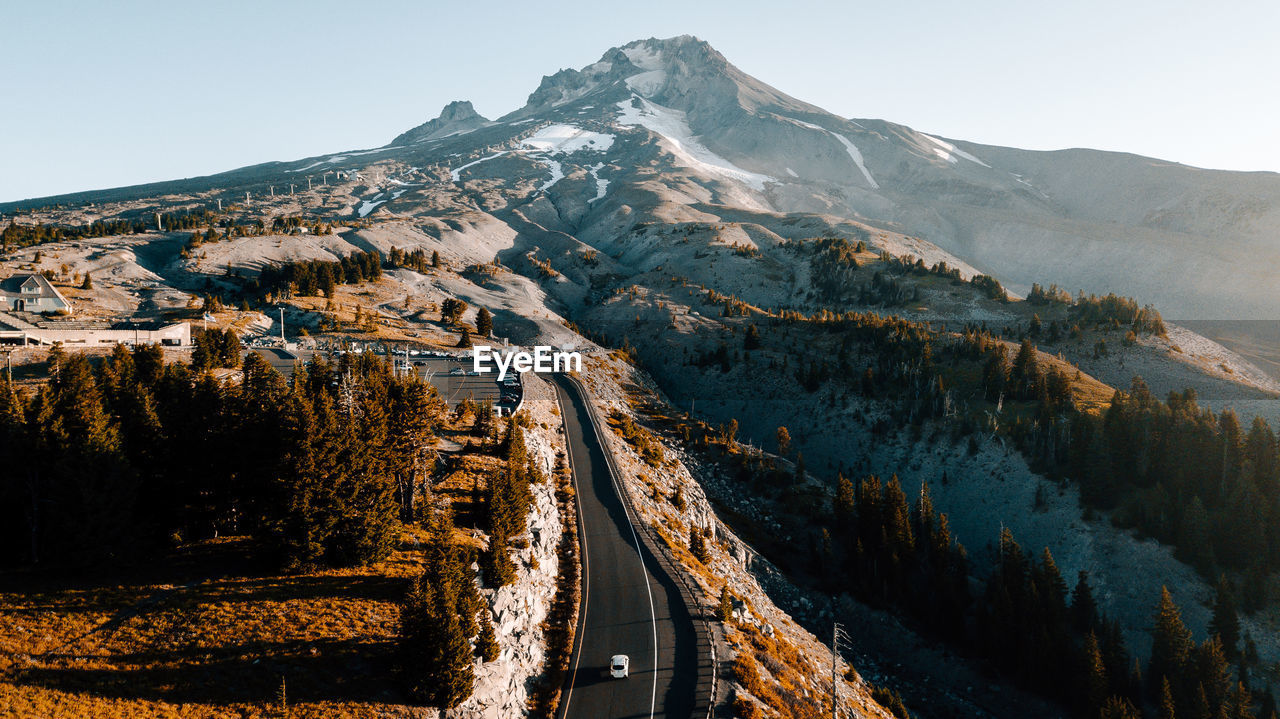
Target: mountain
{"x":1083,"y":219}
{"x":456,"y":118}
{"x":1090,"y":220}
{"x":762,"y":263}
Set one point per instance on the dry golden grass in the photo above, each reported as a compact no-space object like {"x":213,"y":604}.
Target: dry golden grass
{"x":773,"y":671}
{"x":204,"y":635}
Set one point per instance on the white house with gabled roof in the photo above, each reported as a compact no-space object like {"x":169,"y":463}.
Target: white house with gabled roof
{"x":31,"y":293}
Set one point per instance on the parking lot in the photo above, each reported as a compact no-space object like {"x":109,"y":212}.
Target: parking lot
{"x":451,"y":376}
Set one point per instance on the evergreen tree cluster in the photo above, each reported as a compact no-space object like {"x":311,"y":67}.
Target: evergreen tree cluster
{"x":191,"y":220}
{"x":1059,"y":645}
{"x":1195,"y":680}
{"x":509,"y":501}
{"x":118,"y":462}
{"x":215,"y":348}
{"x":1170,"y":468}
{"x":891,"y":552}
{"x":1026,"y":623}
{"x":440,"y":617}
{"x":309,"y":278}
{"x":1024,"y":378}
{"x":1183,"y":475}
{"x":294,"y":224}
{"x":834,"y":262}
{"x":886,"y":290}
{"x":451,"y":310}
{"x":1117,"y":312}
{"x":416,"y":260}
{"x":1039,"y":295}
{"x":990,"y":287}
{"x":16,"y":235}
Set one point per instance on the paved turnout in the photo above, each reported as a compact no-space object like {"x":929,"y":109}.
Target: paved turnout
{"x":630,"y":606}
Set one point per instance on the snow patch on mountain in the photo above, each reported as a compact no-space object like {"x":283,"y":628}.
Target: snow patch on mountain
{"x":849,"y":147}
{"x":356,"y":153}
{"x":369,"y":206}
{"x":949,"y":152}
{"x":646,"y":83}
{"x":671,"y":126}
{"x":601,"y":185}
{"x":557,"y":173}
{"x":556,"y":139}
{"x":456,"y":174}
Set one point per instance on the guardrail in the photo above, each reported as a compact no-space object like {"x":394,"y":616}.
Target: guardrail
{"x":658,"y":548}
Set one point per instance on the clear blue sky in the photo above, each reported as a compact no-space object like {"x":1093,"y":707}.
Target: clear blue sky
{"x":103,"y":94}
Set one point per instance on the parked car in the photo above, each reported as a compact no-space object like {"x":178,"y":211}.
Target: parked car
{"x":620,"y":666}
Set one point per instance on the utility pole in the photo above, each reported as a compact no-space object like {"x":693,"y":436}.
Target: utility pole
{"x":282,"y":340}
{"x":835,"y":653}
{"x":8,"y":361}
{"x":837,"y":635}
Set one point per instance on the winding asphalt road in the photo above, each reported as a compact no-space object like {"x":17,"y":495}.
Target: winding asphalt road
{"x":629,"y":604}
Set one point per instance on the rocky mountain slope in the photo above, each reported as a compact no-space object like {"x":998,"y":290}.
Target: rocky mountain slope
{"x":1083,"y":219}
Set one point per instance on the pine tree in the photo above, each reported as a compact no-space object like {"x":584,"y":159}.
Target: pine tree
{"x":417,"y":411}
{"x":842,"y":505}
{"x":487,"y":640}
{"x":1084,"y":611}
{"x":1195,"y":541}
{"x":1214,"y":672}
{"x":1198,"y":707}
{"x":435,"y":657}
{"x":88,"y":282}
{"x":784,"y":441}
{"x":724,"y":608}
{"x":1118,"y":708}
{"x":898,"y":520}
{"x":1171,"y":644}
{"x":435,"y":258}
{"x":496,"y":563}
{"x":364,"y":494}
{"x":1240,"y":704}
{"x":1051,"y":587}
{"x":1025,"y":373}
{"x":85,"y":476}
{"x":698,"y":545}
{"x":1096,"y":686}
{"x":484,"y":322}
{"x":16,"y":542}
{"x":1226,"y":623}
{"x":1166,"y":705}
{"x":464,"y":339}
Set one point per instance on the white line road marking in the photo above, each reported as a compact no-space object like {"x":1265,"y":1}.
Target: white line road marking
{"x":582,"y":537}
{"x":614,"y":480}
